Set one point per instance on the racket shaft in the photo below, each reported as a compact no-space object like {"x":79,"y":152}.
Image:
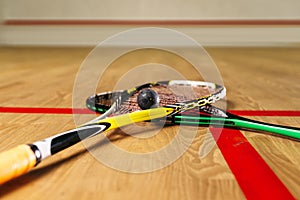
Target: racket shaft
{"x":144,"y":115}
{"x":64,"y":140}
{"x":238,"y":122}
{"x":271,"y":128}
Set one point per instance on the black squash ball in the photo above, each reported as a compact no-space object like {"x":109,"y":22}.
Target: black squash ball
{"x":147,"y":99}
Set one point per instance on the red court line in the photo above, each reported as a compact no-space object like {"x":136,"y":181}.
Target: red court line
{"x":281,"y":113}
{"x":260,"y":22}
{"x":255,"y":177}
{"x":34,"y":110}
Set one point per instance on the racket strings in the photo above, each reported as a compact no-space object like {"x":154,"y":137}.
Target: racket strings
{"x":206,"y":110}
{"x":170,"y":94}
{"x":104,"y":101}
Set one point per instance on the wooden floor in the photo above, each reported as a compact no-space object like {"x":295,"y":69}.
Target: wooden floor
{"x":256,"y":79}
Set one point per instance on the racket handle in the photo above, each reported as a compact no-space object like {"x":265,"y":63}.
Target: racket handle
{"x":15,"y":162}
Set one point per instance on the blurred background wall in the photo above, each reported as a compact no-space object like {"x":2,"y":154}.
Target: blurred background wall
{"x":211,"y":22}
{"x":154,"y":9}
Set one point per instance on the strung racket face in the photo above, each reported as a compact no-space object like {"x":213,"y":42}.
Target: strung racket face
{"x":168,"y":93}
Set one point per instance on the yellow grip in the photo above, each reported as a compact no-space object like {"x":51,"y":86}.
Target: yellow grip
{"x":15,"y":162}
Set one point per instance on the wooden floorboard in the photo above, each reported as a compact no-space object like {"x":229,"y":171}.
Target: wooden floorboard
{"x":256,"y":79}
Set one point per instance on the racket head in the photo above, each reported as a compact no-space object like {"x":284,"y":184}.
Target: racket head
{"x":175,"y":93}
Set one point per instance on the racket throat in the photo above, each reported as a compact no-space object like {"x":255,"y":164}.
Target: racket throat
{"x":55,"y":144}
